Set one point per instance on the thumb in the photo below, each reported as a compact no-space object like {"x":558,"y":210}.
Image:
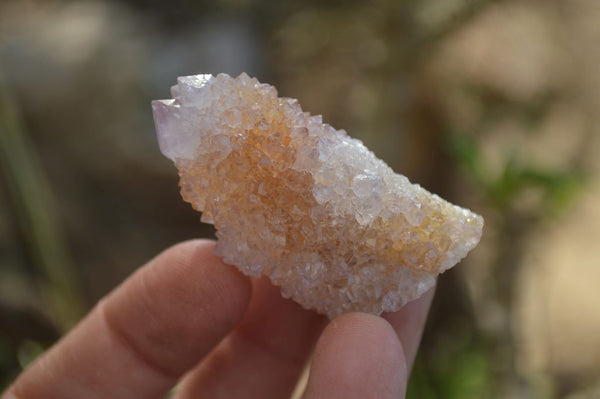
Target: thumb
{"x":358,"y":356}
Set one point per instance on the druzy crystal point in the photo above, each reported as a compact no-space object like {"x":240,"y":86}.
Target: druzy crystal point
{"x":308,"y":206}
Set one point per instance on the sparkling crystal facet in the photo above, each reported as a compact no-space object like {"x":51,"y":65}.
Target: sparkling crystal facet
{"x":305,"y":204}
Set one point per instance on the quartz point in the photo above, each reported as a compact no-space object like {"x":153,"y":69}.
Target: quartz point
{"x":308,"y":206}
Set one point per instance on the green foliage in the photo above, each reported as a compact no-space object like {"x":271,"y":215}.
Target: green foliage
{"x":8,"y":362}
{"x":36,"y":212}
{"x":15,"y":357}
{"x":28,"y":351}
{"x":463,"y":372}
{"x":557,"y":188}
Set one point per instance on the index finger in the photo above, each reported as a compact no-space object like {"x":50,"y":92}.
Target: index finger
{"x":138,"y":341}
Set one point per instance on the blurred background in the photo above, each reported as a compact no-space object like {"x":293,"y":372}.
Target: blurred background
{"x":493,"y":104}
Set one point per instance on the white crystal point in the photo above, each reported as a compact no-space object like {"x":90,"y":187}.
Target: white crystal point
{"x":303,"y":203}
{"x":176,"y":120}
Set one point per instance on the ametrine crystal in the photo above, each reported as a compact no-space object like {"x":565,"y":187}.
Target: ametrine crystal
{"x":308,"y":206}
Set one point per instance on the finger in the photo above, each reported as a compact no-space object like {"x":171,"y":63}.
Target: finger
{"x":409,"y":323}
{"x":358,"y":356}
{"x":264,"y":356}
{"x":139,"y":340}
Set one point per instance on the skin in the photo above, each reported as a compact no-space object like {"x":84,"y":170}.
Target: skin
{"x":187,"y":318}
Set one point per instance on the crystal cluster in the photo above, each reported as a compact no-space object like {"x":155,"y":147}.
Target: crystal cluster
{"x":308,"y":206}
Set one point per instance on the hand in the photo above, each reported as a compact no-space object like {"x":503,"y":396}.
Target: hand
{"x":187,"y":317}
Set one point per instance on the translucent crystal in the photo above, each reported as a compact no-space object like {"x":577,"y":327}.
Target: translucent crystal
{"x":303,"y":203}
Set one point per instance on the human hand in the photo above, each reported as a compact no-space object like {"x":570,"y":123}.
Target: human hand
{"x":188,"y":318}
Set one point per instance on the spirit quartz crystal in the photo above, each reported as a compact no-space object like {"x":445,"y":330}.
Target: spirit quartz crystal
{"x":308,"y":206}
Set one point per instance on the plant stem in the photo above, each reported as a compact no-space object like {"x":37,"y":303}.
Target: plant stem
{"x":37,"y":216}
